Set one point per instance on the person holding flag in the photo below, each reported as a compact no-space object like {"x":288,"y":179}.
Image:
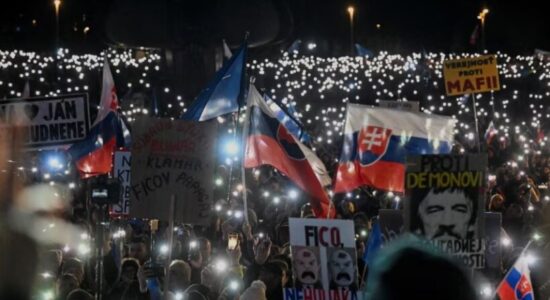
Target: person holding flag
{"x":93,"y":155}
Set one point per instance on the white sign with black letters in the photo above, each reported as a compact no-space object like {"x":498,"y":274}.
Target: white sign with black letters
{"x":52,"y":121}
{"x":121,"y":168}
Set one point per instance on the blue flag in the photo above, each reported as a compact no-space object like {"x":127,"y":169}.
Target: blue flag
{"x":288,"y":119}
{"x":154,"y":103}
{"x":362,"y":51}
{"x":223,"y":94}
{"x":373,"y":244}
{"x":295,"y":47}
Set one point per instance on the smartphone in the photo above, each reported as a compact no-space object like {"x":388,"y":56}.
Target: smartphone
{"x":232,"y":241}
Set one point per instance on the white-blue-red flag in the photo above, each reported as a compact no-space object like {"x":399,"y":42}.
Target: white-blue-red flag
{"x":516,"y":285}
{"x":377,"y":140}
{"x":270,"y":143}
{"x":94,"y":155}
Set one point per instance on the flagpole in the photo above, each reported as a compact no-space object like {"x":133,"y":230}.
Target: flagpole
{"x":510,"y":269}
{"x":246,"y":130}
{"x":476,"y":123}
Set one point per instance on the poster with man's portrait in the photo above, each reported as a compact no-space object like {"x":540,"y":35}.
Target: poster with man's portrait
{"x":342,"y":268}
{"x":307,"y":267}
{"x":324,"y":260}
{"x":444,"y":203}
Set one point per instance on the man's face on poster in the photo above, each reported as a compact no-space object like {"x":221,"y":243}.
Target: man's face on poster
{"x":342,"y":268}
{"x":307,"y":266}
{"x":445,"y":215}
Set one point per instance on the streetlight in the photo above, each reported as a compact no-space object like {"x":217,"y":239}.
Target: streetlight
{"x":481,"y":17}
{"x":56,"y":3}
{"x":351,"y":12}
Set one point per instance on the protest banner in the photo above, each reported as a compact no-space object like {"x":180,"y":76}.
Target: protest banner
{"x":444,"y":203}
{"x":412,"y":106}
{"x":324,"y":260}
{"x":172,"y":158}
{"x":471,"y":75}
{"x":121,"y":169}
{"x":49,"y":122}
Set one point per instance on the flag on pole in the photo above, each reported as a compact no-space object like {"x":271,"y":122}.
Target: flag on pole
{"x":288,"y":119}
{"x":376,"y":141}
{"x":269,"y":143}
{"x":362,"y":51}
{"x":294,"y":47}
{"x":516,"y":285}
{"x":93,"y":155}
{"x":226,"y":51}
{"x":223,"y":93}
{"x":295,"y":128}
{"x":373,"y":243}
{"x":490,"y":133}
{"x":26,"y":90}
{"x":474,"y":36}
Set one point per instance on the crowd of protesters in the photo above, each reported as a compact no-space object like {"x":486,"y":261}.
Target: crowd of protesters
{"x":137,"y":263}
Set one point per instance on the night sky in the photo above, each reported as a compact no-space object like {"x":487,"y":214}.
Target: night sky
{"x":431,"y":25}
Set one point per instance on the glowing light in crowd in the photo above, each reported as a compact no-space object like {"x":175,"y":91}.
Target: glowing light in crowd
{"x":83,"y":249}
{"x":486,"y":290}
{"x":193,"y":244}
{"x":178,"y":296}
{"x":505,"y":241}
{"x":530,"y":258}
{"x":231,"y":147}
{"x":293,"y":194}
{"x":164,"y":249}
{"x":234,"y":285}
{"x":220,"y":265}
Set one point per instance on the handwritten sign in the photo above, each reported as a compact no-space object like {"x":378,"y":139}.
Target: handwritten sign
{"x":121,"y":168}
{"x":48,"y":122}
{"x":172,"y":158}
{"x":324,"y":260}
{"x":471,"y":75}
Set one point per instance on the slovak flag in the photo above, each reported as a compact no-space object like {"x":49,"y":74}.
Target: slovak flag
{"x":377,"y":140}
{"x":516,"y":285}
{"x":268,"y":142}
{"x":93,"y":155}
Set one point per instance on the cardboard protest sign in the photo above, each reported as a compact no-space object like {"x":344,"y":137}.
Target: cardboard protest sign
{"x":324,"y":259}
{"x":172,"y":158}
{"x":121,"y":169}
{"x":471,"y":75}
{"x":49,"y":122}
{"x":412,"y":106}
{"x":444,"y":203}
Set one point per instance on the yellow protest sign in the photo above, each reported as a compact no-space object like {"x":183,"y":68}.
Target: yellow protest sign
{"x":471,"y":75}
